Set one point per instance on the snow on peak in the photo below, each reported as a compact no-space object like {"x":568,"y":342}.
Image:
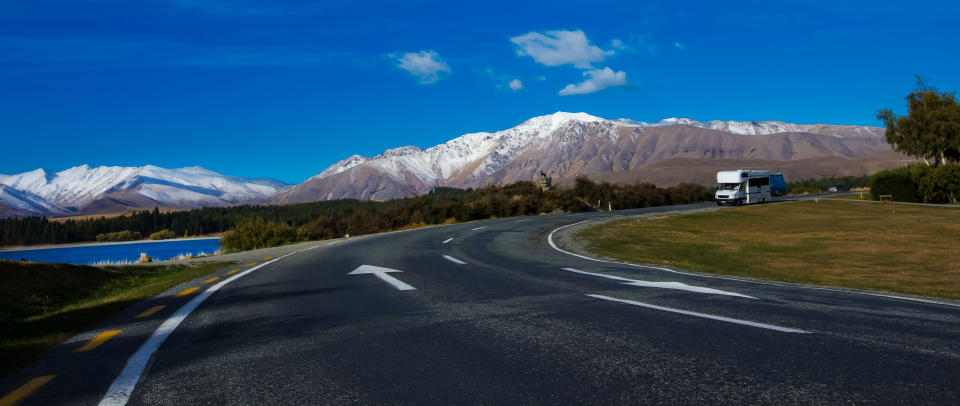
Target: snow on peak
{"x":547,"y":124}
{"x":399,"y":151}
{"x":26,"y":203}
{"x":77,"y":186}
{"x":341,"y":166}
{"x":483,"y":153}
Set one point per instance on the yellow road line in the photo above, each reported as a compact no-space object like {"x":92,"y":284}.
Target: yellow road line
{"x":187,"y":291}
{"x":233,"y":272}
{"x":17,"y":396}
{"x":213,"y":279}
{"x":267,"y":258}
{"x":251,"y":264}
{"x":149,"y":312}
{"x":98,"y":340}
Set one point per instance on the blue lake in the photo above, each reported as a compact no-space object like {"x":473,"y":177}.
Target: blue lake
{"x":117,"y":253}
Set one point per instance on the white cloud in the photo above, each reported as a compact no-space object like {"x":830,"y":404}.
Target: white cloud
{"x":596,"y":80}
{"x":679,"y":46}
{"x":515,"y":85}
{"x":560,"y":47}
{"x":425,"y":65}
{"x":617,"y":44}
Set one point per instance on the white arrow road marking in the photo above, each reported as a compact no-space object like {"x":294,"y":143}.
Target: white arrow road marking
{"x":381,"y":273}
{"x":479,"y":228}
{"x":703,"y":315}
{"x":447,"y":240}
{"x":454,"y":260}
{"x":661,"y":285}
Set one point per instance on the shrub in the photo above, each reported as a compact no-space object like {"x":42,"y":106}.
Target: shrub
{"x":253,"y":233}
{"x":897,"y":182}
{"x":164,"y":234}
{"x":125,"y":235}
{"x":938,"y":185}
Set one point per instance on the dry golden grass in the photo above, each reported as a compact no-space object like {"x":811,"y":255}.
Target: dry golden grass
{"x":897,"y":248}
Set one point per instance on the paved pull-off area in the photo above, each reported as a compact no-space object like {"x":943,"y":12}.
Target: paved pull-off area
{"x":498,"y":312}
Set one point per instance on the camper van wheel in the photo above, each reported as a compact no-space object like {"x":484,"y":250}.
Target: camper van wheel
{"x":740,"y":202}
{"x":719,"y":203}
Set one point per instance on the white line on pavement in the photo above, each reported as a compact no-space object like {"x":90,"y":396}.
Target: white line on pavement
{"x":447,"y":240}
{"x":479,"y":228}
{"x":662,"y":285}
{"x":852,"y":292}
{"x":122,"y":387}
{"x":703,"y":315}
{"x":454,"y":260}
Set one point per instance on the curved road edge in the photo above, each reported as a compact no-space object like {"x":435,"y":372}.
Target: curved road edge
{"x":562,"y":239}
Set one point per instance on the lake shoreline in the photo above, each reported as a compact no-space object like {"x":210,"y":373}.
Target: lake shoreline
{"x":94,"y":244}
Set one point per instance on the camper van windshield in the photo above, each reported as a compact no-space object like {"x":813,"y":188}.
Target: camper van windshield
{"x":729,"y":186}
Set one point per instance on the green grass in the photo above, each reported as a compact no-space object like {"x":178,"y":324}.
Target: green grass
{"x":41,"y":304}
{"x":896,"y":248}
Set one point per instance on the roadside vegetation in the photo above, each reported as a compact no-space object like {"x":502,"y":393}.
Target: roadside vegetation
{"x":327,"y":219}
{"x":904,"y":249}
{"x":164,"y":234}
{"x":822,"y":185}
{"x":125,"y":235}
{"x":931,"y":132}
{"x":41,"y":305}
{"x":447,"y":205}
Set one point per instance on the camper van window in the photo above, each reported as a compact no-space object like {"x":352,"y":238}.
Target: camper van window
{"x":759,"y":181}
{"x":729,"y":186}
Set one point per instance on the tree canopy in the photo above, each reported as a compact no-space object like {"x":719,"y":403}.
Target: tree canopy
{"x":931,"y":128}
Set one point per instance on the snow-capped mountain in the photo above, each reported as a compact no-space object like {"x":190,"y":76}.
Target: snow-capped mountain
{"x":568,"y":144}
{"x":16,"y":203}
{"x":107,"y":189}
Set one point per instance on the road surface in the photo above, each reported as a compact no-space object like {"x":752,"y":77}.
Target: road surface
{"x":495,"y":312}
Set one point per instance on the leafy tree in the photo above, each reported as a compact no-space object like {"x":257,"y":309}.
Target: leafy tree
{"x":931,"y":128}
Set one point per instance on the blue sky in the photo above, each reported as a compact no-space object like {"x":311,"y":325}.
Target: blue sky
{"x":283,"y":89}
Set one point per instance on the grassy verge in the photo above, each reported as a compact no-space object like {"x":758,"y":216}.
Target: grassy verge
{"x":41,"y":305}
{"x":905,"y":249}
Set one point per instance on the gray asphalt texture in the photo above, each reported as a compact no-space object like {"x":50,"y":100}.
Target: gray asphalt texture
{"x":511,"y":326}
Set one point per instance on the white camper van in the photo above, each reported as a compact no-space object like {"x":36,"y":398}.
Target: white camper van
{"x":743,"y":187}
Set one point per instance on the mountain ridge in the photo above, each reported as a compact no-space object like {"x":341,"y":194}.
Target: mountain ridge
{"x":108,"y":189}
{"x":565,"y":144}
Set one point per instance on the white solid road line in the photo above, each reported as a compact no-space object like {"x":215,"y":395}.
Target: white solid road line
{"x":383,"y":274}
{"x":662,"y":285}
{"x":479,"y":228}
{"x":122,"y":387}
{"x":784,"y":285}
{"x":447,"y":240}
{"x":703,"y":315}
{"x":454,"y":260}
{"x":522,"y":220}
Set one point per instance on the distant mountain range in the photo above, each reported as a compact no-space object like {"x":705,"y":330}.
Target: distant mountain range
{"x":563,"y":145}
{"x":113,"y":189}
{"x":566,"y":145}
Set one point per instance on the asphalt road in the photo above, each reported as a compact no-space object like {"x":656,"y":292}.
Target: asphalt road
{"x":491,"y":313}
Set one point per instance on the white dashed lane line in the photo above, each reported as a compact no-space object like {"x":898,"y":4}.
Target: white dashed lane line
{"x":454,"y":260}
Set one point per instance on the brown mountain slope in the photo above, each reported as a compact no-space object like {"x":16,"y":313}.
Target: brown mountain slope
{"x":566,"y":145}
{"x":704,"y":171}
{"x":572,"y":154}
